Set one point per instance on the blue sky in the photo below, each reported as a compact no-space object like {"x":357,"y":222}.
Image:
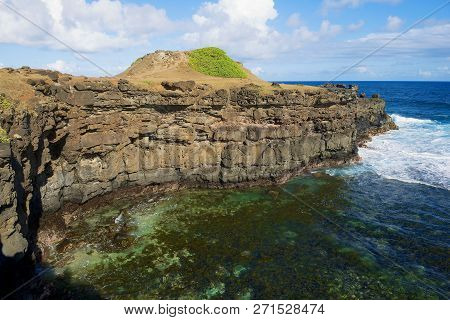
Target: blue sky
{"x":277,"y":39}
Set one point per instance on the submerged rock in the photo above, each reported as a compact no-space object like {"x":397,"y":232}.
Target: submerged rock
{"x":120,"y":219}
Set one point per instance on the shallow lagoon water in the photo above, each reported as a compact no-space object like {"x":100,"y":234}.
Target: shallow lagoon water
{"x":336,"y":239}
{"x":376,"y":230}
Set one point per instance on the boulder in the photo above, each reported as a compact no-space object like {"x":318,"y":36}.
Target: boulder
{"x":179,"y":85}
{"x":96,"y":86}
{"x":125,"y":86}
{"x":53,"y":75}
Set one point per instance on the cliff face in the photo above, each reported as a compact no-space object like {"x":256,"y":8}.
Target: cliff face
{"x":90,"y":138}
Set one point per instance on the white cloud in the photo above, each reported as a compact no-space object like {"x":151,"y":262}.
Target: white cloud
{"x":394,"y":23}
{"x":339,"y":4}
{"x":304,"y":34}
{"x":430,"y":43}
{"x":432,"y":40}
{"x":328,"y":29}
{"x":60,"y":65}
{"x":239,"y":26}
{"x":362,"y":69}
{"x":294,"y":20}
{"x":425,"y":74}
{"x":257,"y":70}
{"x":84,"y":25}
{"x":356,"y":26}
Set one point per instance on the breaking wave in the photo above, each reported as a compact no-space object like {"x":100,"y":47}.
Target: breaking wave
{"x":419,"y":152}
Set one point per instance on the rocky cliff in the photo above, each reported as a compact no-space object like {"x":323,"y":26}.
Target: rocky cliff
{"x":83,"y":138}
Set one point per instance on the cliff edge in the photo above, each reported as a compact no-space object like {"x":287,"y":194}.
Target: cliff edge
{"x":70,"y":139}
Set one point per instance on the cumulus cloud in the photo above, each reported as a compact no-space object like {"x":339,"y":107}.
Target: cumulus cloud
{"x":60,"y":65}
{"x":394,"y":23}
{"x":87,"y":26}
{"x":339,"y":4}
{"x":257,"y":70}
{"x":305,"y":35}
{"x":364,"y":70}
{"x":294,"y":20}
{"x":329,"y":29}
{"x":240,"y":26}
{"x":361,"y":69}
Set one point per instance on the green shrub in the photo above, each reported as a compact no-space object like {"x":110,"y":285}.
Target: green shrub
{"x":215,"y":62}
{"x":5,"y":103}
{"x":3,"y":136}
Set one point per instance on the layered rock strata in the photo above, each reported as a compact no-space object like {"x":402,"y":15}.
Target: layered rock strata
{"x":89,"y":138}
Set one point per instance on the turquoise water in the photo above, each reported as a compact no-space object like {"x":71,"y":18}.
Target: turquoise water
{"x":376,"y":230}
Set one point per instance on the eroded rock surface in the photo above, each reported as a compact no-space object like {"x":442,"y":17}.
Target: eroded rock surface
{"x":89,"y":138}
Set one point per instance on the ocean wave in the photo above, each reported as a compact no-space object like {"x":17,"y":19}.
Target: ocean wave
{"x":400,"y":120}
{"x":419,"y":152}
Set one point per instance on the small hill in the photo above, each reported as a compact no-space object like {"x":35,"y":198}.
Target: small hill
{"x":211,"y":66}
{"x":215,"y":62}
{"x":206,"y":65}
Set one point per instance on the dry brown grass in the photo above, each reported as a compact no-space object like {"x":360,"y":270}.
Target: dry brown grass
{"x":15,"y":88}
{"x":150,"y":70}
{"x":147,"y":73}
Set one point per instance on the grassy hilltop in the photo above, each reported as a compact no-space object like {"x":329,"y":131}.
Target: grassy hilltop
{"x":205,"y":65}
{"x":215,"y":62}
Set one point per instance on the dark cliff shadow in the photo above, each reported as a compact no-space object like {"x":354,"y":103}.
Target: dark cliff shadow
{"x":14,"y":271}
{"x":22,"y":279}
{"x":39,"y":180}
{"x":51,"y":286}
{"x":29,"y":217}
{"x":29,"y":206}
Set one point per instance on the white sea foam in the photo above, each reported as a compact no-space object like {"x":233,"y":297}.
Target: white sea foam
{"x":419,"y":152}
{"x":400,"y":121}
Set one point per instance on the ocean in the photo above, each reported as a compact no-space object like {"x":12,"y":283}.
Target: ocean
{"x":378,"y":229}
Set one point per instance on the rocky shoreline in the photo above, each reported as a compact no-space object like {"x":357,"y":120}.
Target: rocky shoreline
{"x":88,"y":139}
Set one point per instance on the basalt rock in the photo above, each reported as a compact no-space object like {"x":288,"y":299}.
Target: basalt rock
{"x":91,"y":138}
{"x":12,"y":237}
{"x":179,"y":85}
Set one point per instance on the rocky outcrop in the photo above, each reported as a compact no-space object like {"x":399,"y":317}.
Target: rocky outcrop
{"x":13,"y":242}
{"x":89,"y":138}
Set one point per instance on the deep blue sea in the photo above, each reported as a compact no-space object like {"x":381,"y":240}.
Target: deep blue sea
{"x":379,"y":229}
{"x":420,"y":151}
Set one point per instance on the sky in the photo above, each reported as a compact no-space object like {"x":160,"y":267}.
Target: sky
{"x":276,"y":39}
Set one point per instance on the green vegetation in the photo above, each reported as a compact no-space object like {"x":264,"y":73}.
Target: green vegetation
{"x":3,"y":136}
{"x":5,"y":103}
{"x":215,"y":62}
